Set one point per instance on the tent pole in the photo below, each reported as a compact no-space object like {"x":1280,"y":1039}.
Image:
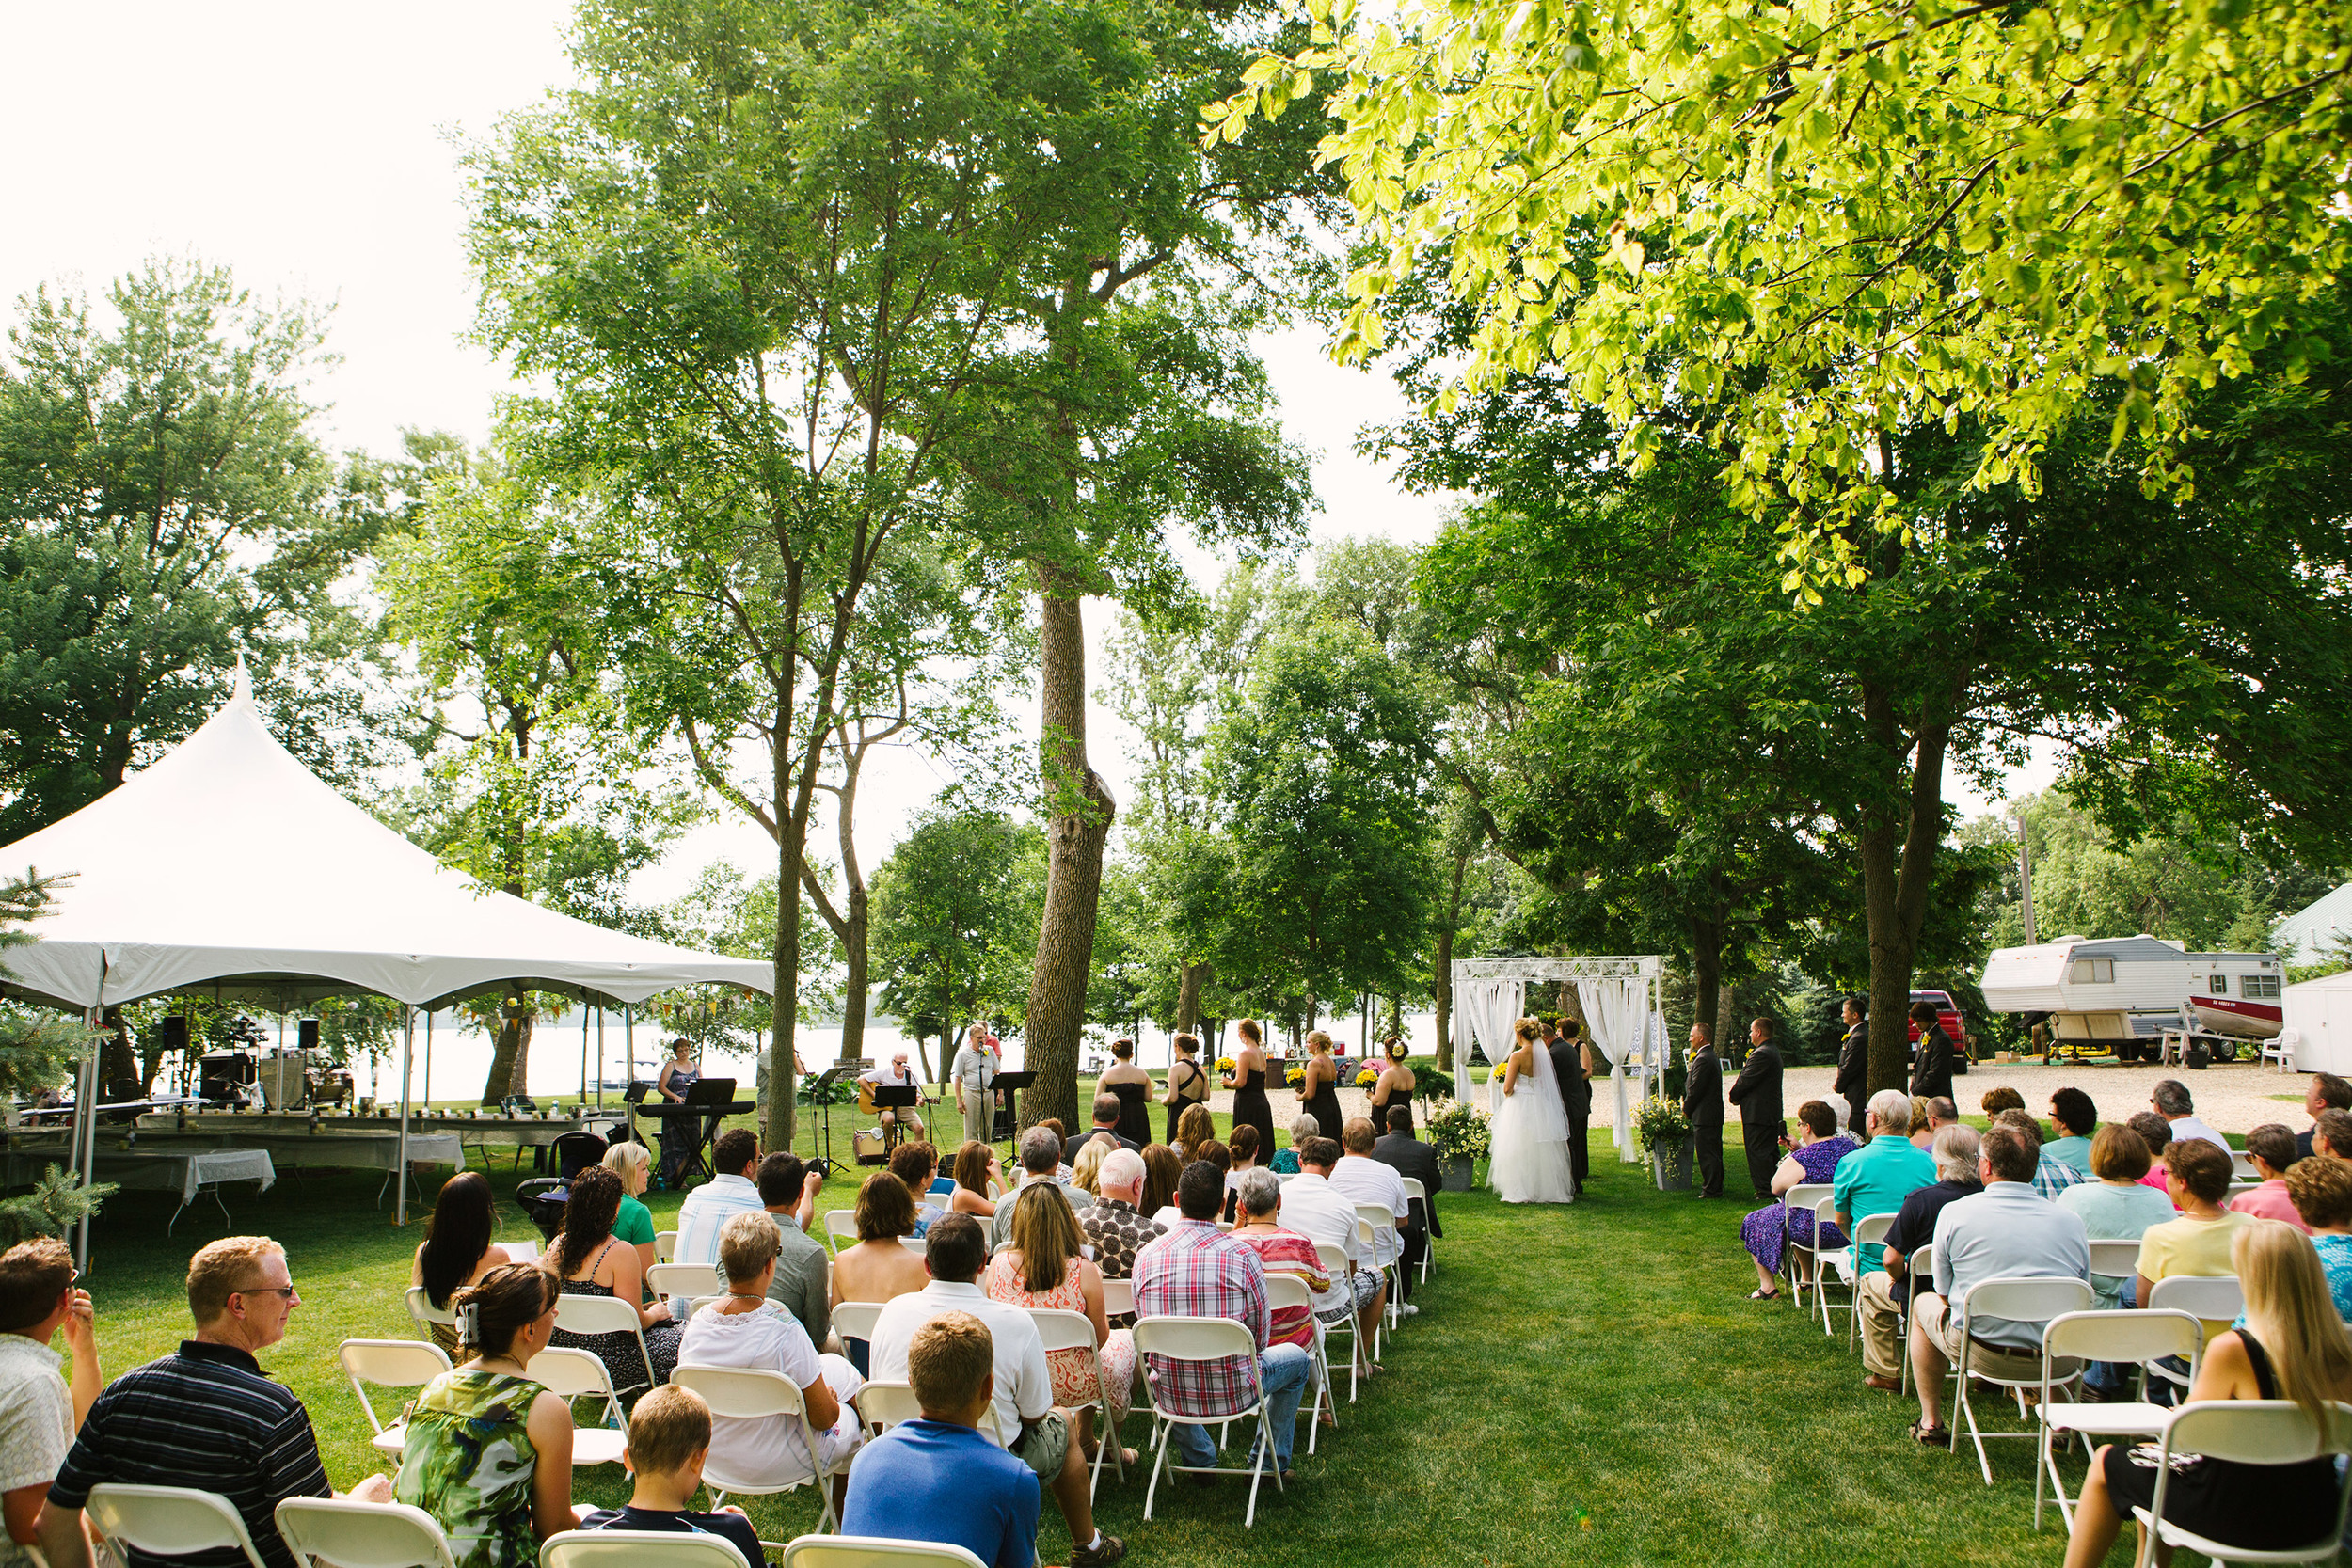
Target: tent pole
{"x":583,"y":1044}
{"x":629,"y":1033}
{"x":400,"y":1169}
{"x":599,"y":1053}
{"x":83,"y":1154}
{"x":428,"y":1061}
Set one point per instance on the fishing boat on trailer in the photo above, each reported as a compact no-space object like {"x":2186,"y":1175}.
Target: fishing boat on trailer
{"x":2130,"y":989}
{"x":2238,"y":995}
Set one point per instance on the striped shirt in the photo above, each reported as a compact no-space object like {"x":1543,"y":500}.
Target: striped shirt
{"x":204,"y":1417}
{"x":1197,"y":1271}
{"x":707,"y":1209}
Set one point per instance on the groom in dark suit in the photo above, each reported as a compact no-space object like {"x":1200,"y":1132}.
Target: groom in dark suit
{"x":1703,"y":1105}
{"x":1854,"y":1065}
{"x":1574,"y":1074}
{"x":1761,"y":1114}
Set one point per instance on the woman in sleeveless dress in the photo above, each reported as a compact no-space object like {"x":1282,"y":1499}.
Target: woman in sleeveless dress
{"x":591,"y":1261}
{"x":457,"y":1248}
{"x":1319,"y":1095}
{"x":678,"y":1074}
{"x":1188,"y":1086}
{"x":1044,"y":1227}
{"x":1133,"y":1086}
{"x":489,"y":1452}
{"x":1529,"y":1163}
{"x":1247,"y":1081}
{"x":2293,"y":1347}
{"x":1394,"y":1088}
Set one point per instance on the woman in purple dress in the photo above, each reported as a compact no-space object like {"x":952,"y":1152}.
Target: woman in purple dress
{"x":1819,"y":1146}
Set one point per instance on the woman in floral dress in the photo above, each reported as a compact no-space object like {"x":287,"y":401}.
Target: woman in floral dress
{"x":1819,"y":1146}
{"x":1044,"y":1229}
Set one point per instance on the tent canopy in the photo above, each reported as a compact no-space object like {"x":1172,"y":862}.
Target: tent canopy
{"x":228,"y":868}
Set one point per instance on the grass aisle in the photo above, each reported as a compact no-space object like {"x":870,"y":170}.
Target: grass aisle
{"x":1584,"y":1384}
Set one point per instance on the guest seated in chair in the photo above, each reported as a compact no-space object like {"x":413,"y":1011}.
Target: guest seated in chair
{"x":457,"y":1248}
{"x":1883,"y":1294}
{"x":974,"y":1172}
{"x":2322,"y":1190}
{"x":940,"y":1478}
{"x":1813,"y":1162}
{"x":2271,"y":1147}
{"x":38,"y":1413}
{"x":589,"y":1260}
{"x":669,"y":1442}
{"x":879,"y":1268}
{"x":2293,"y":1347}
{"x":916,"y":1162}
{"x":1041,"y":1164}
{"x":1285,"y":1160}
{"x":489,"y":1452}
{"x":633,"y":1165}
{"x":1064,"y":1278}
{"x":1114,"y":1227}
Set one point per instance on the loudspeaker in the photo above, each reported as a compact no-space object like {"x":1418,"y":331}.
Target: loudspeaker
{"x":175,"y":1032}
{"x":2198,"y":1057}
{"x":309,"y":1034}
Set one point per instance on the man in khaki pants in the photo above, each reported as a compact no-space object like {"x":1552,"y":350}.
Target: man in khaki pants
{"x":974,"y":1072}
{"x":1883,"y":1293}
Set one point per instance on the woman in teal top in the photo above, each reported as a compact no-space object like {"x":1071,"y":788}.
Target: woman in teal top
{"x":633,"y":1224}
{"x":2116,"y":1207}
{"x":489,"y":1452}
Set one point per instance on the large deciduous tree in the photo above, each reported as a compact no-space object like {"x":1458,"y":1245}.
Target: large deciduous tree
{"x":955,"y":920}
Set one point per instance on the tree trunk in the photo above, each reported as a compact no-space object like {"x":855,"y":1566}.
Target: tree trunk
{"x":1188,"y":981}
{"x":1706,"y":974}
{"x":1571,"y":1005}
{"x":1080,"y":822}
{"x":784,"y":1015}
{"x":856,"y":962}
{"x":510,"y":1053}
{"x":118,"y":1066}
{"x":1728,"y":1016}
{"x":1442,"y":981}
{"x":1896,"y":845}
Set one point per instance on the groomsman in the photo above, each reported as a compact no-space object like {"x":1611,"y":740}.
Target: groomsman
{"x":1761,"y":1115}
{"x":1854,"y":1066}
{"x":1572,"y":1065}
{"x":1703,"y":1104}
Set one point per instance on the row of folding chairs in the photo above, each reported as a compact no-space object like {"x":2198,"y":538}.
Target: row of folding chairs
{"x":342,"y":1533}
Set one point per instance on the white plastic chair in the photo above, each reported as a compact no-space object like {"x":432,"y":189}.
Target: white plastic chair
{"x":2122,"y":1337}
{"x":570,"y":1374}
{"x":685,"y":1279}
{"x":917,"y":1245}
{"x":2250,"y":1431}
{"x":168,"y":1521}
{"x":423,"y":1312}
{"x":855,"y":1320}
{"x":637,"y":1548}
{"x":664,"y":1247}
{"x":2281,"y":1048}
{"x":389,"y":1363}
{"x":1371,"y":1219}
{"x":1803,"y":1195}
{"x":2214,"y":1298}
{"x":2242,"y":1169}
{"x":883,"y":1404}
{"x":2024,"y":1301}
{"x":1334,"y":1261}
{"x":840,"y":1226}
{"x":1206,"y":1340}
{"x":1414,"y":1190}
{"x":1062,"y":1329}
{"x":868,"y":1551}
{"x":1845,"y":1264}
{"x":755,"y":1393}
{"x":345,"y":1533}
{"x":2115,"y":1259}
{"x":606,"y":1315}
{"x":1284,"y":1290}
{"x":1119,"y":1298}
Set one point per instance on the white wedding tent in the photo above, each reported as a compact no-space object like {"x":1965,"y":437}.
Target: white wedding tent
{"x":229,"y":869}
{"x":1620,"y":999}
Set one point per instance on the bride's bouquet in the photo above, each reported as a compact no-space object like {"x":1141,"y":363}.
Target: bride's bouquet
{"x":1459,"y":1131}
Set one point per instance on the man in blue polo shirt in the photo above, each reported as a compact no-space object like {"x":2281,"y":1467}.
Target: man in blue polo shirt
{"x":1876,"y":1178}
{"x":937,"y":1479}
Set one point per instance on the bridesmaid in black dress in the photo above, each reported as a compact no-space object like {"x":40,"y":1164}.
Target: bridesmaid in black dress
{"x":1132,"y":1086}
{"x":1395,"y":1086}
{"x":1188,"y":1086}
{"x":1247,"y":1081}
{"x":1319,"y":1096}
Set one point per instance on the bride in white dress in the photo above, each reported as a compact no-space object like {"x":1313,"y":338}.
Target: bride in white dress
{"x":1528,"y":1159}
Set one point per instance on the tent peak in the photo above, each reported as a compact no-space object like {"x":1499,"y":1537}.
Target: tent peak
{"x":243,"y":692}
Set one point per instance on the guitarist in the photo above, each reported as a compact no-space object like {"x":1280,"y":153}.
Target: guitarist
{"x":894,"y":1120}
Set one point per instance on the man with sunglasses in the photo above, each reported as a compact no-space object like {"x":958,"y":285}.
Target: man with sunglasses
{"x":204,"y":1417}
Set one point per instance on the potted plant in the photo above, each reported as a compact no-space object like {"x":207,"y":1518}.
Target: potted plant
{"x":1459,"y":1134}
{"x":1664,"y":1134}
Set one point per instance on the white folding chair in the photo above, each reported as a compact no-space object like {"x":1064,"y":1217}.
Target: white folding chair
{"x":637,"y":1548}
{"x":855,"y":1320}
{"x":1414,"y":1191}
{"x":2242,"y":1169}
{"x":2115,"y":1259}
{"x":2214,"y":1298}
{"x":1206,"y":1340}
{"x":917,"y":1245}
{"x":2023,"y":1301}
{"x":168,"y":1521}
{"x":2250,"y":1431}
{"x":1334,"y":1261}
{"x":1284,"y":1291}
{"x":840,"y":1226}
{"x":689,"y":1280}
{"x":2281,"y":1048}
{"x":1371,"y":1219}
{"x":389,"y":1363}
{"x":1119,"y":1298}
{"x":1062,"y":1329}
{"x":573,"y":1374}
{"x":870,"y":1551}
{"x":2123,"y":1337}
{"x":1920,"y":1273}
{"x":1845,"y":1263}
{"x":881,"y":1405}
{"x":423,"y":1314}
{"x":347,"y":1533}
{"x":664,"y":1247}
{"x":1800,"y":1197}
{"x":606,"y":1315}
{"x":755,"y":1393}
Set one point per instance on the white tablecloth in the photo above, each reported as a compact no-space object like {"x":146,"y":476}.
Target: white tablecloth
{"x":183,"y":1171}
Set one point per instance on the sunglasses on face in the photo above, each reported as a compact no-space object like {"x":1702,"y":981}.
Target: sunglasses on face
{"x":283,"y":1293}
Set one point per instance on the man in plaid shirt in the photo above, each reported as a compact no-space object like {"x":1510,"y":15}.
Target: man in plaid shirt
{"x":1197,"y":1271}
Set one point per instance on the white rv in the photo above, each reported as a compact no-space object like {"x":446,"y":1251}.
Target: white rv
{"x":2133,"y":988}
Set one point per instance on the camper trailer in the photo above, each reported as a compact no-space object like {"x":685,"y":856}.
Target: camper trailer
{"x":2130,"y":989}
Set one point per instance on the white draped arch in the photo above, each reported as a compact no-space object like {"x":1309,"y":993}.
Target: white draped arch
{"x":1620,"y":998}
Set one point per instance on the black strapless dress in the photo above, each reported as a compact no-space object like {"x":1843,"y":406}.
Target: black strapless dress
{"x":1381,"y":1110}
{"x":1134,"y":1111}
{"x":1324,"y":1105}
{"x":1250,"y":1106}
{"x":1186,"y":1098}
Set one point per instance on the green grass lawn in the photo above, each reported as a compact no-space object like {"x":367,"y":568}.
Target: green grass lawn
{"x":1585,"y":1383}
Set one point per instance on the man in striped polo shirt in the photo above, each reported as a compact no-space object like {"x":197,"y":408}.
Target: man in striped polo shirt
{"x":204,"y":1417}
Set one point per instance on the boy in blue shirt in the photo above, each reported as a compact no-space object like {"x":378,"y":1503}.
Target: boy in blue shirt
{"x":669,"y":1441}
{"x":937,"y":1479}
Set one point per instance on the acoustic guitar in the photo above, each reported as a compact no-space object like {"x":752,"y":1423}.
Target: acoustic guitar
{"x":865,"y":1105}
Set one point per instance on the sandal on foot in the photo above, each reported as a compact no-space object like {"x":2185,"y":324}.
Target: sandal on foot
{"x":1934,"y":1438}
{"x":1759,"y":1294}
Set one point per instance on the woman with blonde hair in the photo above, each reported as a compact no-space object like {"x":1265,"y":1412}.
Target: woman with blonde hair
{"x":1044,"y":1264}
{"x":633,"y":1165}
{"x":974,"y":1172}
{"x":1085,"y":1170}
{"x":1319,"y":1091}
{"x":2293,"y":1347}
{"x":1247,"y":1081}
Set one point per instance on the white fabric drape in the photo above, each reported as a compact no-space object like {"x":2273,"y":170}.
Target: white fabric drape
{"x":1491,"y":1008}
{"x":1618,"y":1013}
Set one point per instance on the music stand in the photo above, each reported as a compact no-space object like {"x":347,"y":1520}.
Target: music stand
{"x":837,"y":1073}
{"x":894,"y":1097}
{"x":1001,"y":1131}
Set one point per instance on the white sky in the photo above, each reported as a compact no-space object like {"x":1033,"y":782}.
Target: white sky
{"x":309,"y":149}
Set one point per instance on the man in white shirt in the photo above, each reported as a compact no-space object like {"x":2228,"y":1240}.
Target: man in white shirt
{"x":1027,"y":1422}
{"x":2172,"y":1102}
{"x":1317,"y":1211}
{"x":896,"y":1076}
{"x":734,"y":1191}
{"x":38,"y":1413}
{"x":972,"y":1071}
{"x":1362,"y":1180}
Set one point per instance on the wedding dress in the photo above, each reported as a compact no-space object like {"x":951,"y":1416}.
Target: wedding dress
{"x":1528,"y":1148}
